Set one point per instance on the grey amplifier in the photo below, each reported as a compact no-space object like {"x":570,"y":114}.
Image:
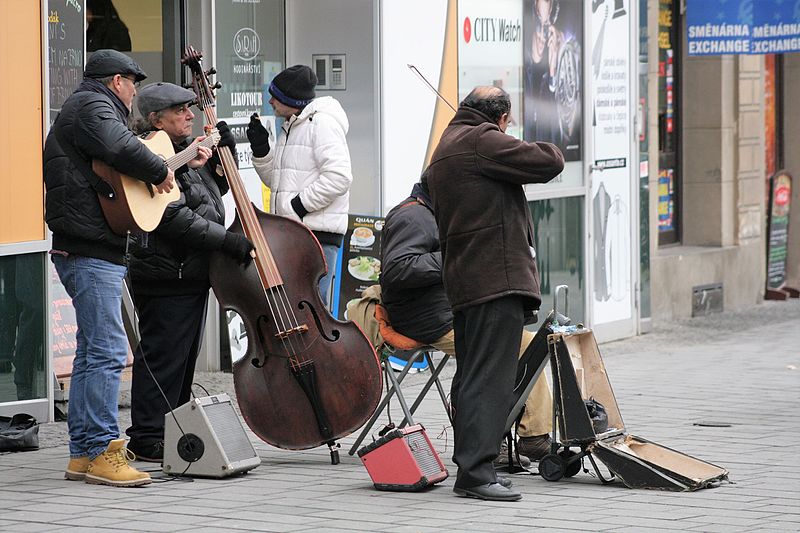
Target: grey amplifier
{"x":205,"y":438}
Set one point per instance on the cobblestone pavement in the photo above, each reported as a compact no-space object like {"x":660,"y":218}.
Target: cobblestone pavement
{"x":736,"y":375}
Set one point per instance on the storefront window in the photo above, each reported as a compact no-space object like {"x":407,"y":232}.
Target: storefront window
{"x":669,"y":178}
{"x":22,"y":333}
{"x":490,"y":51}
{"x":558,"y":234}
{"x":250,"y":51}
{"x":644,"y":170}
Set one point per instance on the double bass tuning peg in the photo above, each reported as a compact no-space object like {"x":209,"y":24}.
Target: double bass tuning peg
{"x":211,"y":71}
{"x":217,"y":85}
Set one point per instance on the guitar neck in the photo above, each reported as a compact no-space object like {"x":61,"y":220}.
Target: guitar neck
{"x":184,"y":156}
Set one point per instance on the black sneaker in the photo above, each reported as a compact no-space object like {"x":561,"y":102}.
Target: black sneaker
{"x":151,"y":453}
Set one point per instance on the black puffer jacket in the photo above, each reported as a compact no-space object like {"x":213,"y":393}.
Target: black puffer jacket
{"x":173,"y":259}
{"x":95,"y":126}
{"x":411,"y":275}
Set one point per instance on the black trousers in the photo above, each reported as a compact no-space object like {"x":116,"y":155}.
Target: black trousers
{"x":487,"y":338}
{"x":171,"y":330}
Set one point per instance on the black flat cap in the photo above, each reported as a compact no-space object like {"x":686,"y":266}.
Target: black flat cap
{"x":161,"y":95}
{"x":109,"y":62}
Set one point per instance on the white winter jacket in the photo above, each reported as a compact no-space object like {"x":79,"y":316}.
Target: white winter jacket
{"x":311,"y":160}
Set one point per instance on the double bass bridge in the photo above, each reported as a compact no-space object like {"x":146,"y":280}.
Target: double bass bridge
{"x":285,"y":334}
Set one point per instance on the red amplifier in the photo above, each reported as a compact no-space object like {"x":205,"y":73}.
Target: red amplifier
{"x":403,"y":460}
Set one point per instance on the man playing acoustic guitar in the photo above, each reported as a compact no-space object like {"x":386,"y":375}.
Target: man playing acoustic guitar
{"x":90,"y":257}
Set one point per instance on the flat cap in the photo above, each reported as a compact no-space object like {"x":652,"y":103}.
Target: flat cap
{"x":109,"y":62}
{"x":162,"y":95}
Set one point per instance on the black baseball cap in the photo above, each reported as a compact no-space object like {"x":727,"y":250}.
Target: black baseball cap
{"x":109,"y":62}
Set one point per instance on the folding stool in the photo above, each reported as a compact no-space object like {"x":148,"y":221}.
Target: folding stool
{"x":395,"y":342}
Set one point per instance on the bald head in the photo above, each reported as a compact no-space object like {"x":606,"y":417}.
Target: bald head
{"x":493,"y":102}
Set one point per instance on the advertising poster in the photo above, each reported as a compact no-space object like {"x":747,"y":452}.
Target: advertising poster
{"x":553,"y":85}
{"x":612,"y":137}
{"x":490,"y":51}
{"x":359,"y":261}
{"x":65,"y":50}
{"x":780,"y":203}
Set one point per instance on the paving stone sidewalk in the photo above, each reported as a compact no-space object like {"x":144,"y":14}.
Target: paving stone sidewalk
{"x":736,"y":374}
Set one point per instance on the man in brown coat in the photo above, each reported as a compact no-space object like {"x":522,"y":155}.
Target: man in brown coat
{"x":475,"y":179}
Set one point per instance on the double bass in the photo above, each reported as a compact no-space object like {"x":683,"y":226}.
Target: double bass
{"x":306,"y":378}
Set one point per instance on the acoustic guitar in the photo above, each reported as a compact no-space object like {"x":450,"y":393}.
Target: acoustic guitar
{"x":137,"y":206}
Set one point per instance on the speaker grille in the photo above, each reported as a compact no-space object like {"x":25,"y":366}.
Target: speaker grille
{"x":231,"y":435}
{"x":423,"y":453}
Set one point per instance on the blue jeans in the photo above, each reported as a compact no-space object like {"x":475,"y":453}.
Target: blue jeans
{"x":95,"y":287}
{"x":331,"y":252}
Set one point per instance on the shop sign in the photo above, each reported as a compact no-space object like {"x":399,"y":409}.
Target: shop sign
{"x":716,"y":27}
{"x":780,"y":203}
{"x":242,"y":66}
{"x":359,"y":261}
{"x":490,"y":51}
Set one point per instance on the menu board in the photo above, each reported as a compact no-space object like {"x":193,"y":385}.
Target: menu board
{"x":65,"y":32}
{"x":65,"y":58}
{"x":359,"y":260}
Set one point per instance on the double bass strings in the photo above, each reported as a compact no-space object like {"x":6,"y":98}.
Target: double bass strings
{"x":272,"y":283}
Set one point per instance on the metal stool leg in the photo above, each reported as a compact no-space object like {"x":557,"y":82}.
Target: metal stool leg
{"x":433,"y":379}
{"x":394,"y":389}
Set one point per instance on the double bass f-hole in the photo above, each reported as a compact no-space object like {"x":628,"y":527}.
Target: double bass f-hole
{"x":334,"y":332}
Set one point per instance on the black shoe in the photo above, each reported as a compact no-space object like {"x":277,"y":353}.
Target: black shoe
{"x":151,"y":453}
{"x":506,"y":482}
{"x":493,"y":492}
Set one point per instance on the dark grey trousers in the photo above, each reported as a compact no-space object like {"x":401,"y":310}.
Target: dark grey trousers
{"x":487,"y":338}
{"x":172,"y":332}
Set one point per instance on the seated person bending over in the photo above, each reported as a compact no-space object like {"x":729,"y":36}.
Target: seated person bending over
{"x":413,"y":294}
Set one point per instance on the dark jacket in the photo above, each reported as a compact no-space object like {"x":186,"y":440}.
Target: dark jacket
{"x":95,"y":126}
{"x":173,"y":259}
{"x":475,"y":179}
{"x":411,"y":270}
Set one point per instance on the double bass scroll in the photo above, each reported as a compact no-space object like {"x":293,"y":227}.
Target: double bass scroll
{"x":306,"y":379}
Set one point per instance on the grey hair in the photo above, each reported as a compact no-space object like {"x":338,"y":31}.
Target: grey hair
{"x":106,"y":80}
{"x":145,"y":124}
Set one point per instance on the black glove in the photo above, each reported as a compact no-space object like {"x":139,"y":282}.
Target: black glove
{"x":237,"y":246}
{"x":225,"y":136}
{"x":225,"y":139}
{"x":258,"y":136}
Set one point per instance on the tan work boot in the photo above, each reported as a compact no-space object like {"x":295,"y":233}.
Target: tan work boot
{"x":76,"y":469}
{"x":111,"y":468}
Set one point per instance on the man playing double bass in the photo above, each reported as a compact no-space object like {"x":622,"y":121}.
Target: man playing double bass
{"x":169,"y":270}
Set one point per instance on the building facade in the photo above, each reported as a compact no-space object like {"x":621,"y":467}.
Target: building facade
{"x":660,"y":213}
